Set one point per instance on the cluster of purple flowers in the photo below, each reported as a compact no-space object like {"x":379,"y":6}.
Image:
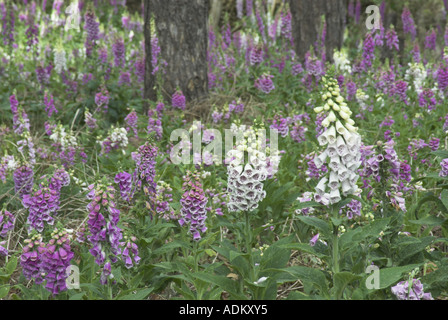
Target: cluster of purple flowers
{"x":42,"y":205}
{"x":131,"y":120}
{"x":163,"y":199}
{"x":427,"y":99}
{"x":234,"y":108}
{"x":55,"y":260}
{"x":90,"y":120}
{"x":49,"y":104}
{"x":32,"y":33}
{"x":7,"y":220}
{"x":145,"y":172}
{"x":8,"y":24}
{"x":178,"y":100}
{"x":105,"y":235}
{"x":20,"y":120}
{"x":102,"y":98}
{"x":430,"y":40}
{"x":193,"y":202}
{"x":6,"y":164}
{"x":281,"y":125}
{"x":31,"y":259}
{"x":129,"y":252}
{"x":415,"y":145}
{"x":386,"y":166}
{"x":124,"y":181}
{"x":408,"y":23}
{"x":48,"y":262}
{"x":414,"y":291}
{"x":352,"y":208}
{"x":265,"y":83}
{"x":23,"y":180}
{"x":444,"y":168}
{"x":298,"y":131}
{"x":392,"y":39}
{"x":368,"y":54}
{"x":256,"y":55}
{"x":92,"y":30}
{"x":118,"y":50}
{"x":155,"y":121}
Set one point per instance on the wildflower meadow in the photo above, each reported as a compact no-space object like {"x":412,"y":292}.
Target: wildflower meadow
{"x":297,"y":177}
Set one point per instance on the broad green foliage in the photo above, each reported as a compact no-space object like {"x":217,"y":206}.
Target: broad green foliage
{"x":292,"y":246}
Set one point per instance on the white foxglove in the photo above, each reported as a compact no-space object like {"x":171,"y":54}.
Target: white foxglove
{"x":342,"y":148}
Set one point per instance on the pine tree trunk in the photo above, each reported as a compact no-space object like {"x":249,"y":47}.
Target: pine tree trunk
{"x":182,"y":30}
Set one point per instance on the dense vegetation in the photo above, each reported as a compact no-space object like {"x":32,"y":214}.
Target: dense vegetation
{"x":353,"y":206}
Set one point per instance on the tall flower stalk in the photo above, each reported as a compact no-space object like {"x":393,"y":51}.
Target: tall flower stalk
{"x":105,"y":235}
{"x":342,"y":147}
{"x":342,"y":156}
{"x":193,"y":202}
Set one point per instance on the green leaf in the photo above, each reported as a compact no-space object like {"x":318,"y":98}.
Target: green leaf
{"x":275,"y":257}
{"x":390,"y":276}
{"x":170,"y":247}
{"x":307,"y":204}
{"x":444,"y":198}
{"x":437,"y":277}
{"x":412,"y":247}
{"x":430,"y":221}
{"x":210,"y":252}
{"x":4,"y":290}
{"x":11,"y":265}
{"x":78,"y":296}
{"x":440,"y":153}
{"x":139,"y":295}
{"x":305,"y":274}
{"x":341,"y":280}
{"x":430,"y":197}
{"x":336,"y":221}
{"x":321,"y":225}
{"x":186,"y":293}
{"x":221,"y":281}
{"x":235,"y":254}
{"x":357,"y":235}
{"x":297,"y":295}
{"x":304,"y":247}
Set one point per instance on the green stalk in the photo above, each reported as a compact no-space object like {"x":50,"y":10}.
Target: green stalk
{"x":247,"y":232}
{"x":335,"y":242}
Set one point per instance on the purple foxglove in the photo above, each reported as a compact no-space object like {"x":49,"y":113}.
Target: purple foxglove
{"x":193,"y":203}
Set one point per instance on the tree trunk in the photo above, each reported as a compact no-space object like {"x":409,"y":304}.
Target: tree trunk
{"x":149,"y":91}
{"x":215,"y":13}
{"x":182,"y":30}
{"x":335,"y":16}
{"x":306,"y":24}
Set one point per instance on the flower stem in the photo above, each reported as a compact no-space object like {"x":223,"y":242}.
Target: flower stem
{"x":335,"y":242}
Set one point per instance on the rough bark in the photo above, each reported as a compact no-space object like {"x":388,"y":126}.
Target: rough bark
{"x":306,"y":24}
{"x":182,"y":30}
{"x":335,"y":16}
{"x":149,"y":91}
